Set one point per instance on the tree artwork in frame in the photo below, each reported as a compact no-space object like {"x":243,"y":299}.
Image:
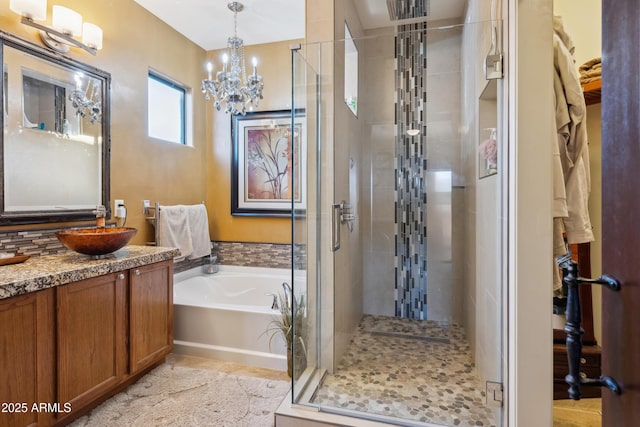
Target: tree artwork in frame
{"x":267,"y":168}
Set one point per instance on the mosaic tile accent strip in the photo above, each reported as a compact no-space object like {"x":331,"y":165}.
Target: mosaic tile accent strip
{"x":31,"y":242}
{"x":39,"y":242}
{"x":408,"y":9}
{"x":433,"y":382}
{"x":270,"y":255}
{"x":411,"y":168}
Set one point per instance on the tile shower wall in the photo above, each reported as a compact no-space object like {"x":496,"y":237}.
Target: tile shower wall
{"x":445,"y":224}
{"x":378,"y":198}
{"x":411,"y":167}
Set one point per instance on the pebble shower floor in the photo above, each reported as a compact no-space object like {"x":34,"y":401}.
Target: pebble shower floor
{"x":409,"y":369}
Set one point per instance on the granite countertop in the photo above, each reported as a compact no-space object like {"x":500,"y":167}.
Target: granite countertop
{"x":43,"y":272}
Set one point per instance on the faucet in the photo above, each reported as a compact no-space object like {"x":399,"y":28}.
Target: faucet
{"x":101,"y":214}
{"x":274,"y":303}
{"x":287,"y":292}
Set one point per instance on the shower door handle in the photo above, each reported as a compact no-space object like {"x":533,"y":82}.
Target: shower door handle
{"x":574,"y":332}
{"x":336,"y":211}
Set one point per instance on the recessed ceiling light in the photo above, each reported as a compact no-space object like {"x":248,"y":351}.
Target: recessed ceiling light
{"x":413,"y":132}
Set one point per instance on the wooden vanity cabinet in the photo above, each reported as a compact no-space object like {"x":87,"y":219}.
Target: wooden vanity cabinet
{"x":27,"y":350}
{"x":110,"y":328}
{"x":92,"y":338}
{"x":72,"y":346}
{"x":150,"y":314}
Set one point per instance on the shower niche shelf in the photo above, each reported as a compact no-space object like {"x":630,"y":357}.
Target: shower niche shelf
{"x":487,"y":132}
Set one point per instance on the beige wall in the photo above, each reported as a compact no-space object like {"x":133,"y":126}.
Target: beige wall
{"x":142,"y":168}
{"x":530,"y":80}
{"x":134,"y":42}
{"x":274,"y":64}
{"x":348,"y":142}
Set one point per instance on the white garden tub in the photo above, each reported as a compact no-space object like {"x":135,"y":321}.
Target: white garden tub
{"x":226,"y":315}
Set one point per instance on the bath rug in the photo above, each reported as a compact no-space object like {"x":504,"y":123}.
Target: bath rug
{"x":182,"y":396}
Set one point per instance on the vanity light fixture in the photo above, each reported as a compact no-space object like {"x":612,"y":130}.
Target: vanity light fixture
{"x":66,"y":24}
{"x":233,"y":89}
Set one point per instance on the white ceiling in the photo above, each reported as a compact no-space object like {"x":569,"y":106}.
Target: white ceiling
{"x":209,"y":23}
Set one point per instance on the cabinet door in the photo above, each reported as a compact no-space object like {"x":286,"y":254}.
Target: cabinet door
{"x":26,"y":358}
{"x":92,"y":347}
{"x":150,"y":314}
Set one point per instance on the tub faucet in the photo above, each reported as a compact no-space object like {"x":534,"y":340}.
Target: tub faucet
{"x":287,"y":292}
{"x":274,"y":303}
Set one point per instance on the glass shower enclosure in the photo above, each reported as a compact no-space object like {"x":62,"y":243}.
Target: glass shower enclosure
{"x":397,"y":283}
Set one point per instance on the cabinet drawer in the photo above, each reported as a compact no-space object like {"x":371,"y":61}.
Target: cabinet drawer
{"x":589,"y":367}
{"x":591,"y":356}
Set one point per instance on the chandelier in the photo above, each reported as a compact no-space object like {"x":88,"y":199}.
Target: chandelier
{"x":232,"y":89}
{"x":87,"y":101}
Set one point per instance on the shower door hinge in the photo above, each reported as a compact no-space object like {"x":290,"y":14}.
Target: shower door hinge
{"x":494,"y":394}
{"x":493,"y":67}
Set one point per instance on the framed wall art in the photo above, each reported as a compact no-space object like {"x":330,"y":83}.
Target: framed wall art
{"x":268,"y":167}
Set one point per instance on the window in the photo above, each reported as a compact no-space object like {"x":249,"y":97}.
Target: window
{"x":167,"y":106}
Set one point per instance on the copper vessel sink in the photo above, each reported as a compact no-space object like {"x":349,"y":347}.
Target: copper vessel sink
{"x":96,"y":241}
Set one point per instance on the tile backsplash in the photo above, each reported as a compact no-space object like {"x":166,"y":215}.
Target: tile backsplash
{"x":31,"y":242}
{"x":273,"y":255}
{"x":269,"y":255}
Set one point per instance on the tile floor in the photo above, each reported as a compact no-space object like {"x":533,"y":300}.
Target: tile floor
{"x":409,"y":369}
{"x":197,"y":392}
{"x":447,"y":396}
{"x":175,"y":359}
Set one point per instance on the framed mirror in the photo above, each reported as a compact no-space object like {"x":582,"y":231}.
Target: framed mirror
{"x":55,"y":144}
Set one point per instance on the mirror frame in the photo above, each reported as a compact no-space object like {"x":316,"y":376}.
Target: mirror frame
{"x":47,"y":216}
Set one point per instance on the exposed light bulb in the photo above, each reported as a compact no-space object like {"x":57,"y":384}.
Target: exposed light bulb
{"x":209,"y":69}
{"x":66,"y":20}
{"x":33,"y":9}
{"x":92,"y":35}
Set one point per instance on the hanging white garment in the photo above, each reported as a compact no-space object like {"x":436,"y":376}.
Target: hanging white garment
{"x":573,"y":150}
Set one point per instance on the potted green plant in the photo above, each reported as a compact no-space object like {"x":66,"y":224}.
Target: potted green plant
{"x":291,"y":325}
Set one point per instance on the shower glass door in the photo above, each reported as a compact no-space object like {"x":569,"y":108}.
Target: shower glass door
{"x":304,"y":348}
{"x":403,"y":231}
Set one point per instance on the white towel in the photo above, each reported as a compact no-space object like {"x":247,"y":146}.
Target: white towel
{"x":174,"y":231}
{"x":199,"y":228}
